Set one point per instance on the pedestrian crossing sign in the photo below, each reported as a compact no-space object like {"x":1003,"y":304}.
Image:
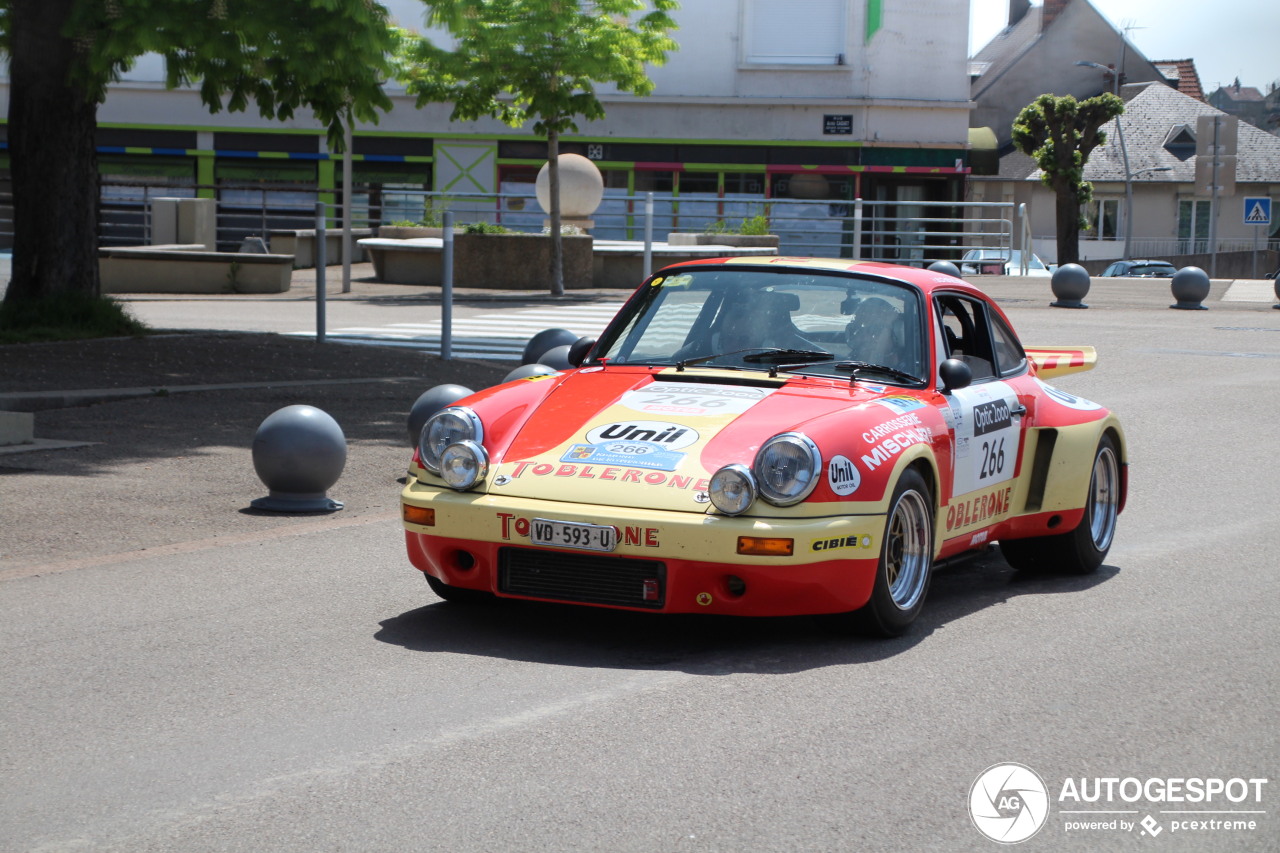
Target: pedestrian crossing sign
{"x":1257,"y":211}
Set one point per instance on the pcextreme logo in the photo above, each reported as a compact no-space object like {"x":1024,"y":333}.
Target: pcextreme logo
{"x":1009,"y":803}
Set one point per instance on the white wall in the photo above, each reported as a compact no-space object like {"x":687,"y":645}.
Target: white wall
{"x":907,"y":86}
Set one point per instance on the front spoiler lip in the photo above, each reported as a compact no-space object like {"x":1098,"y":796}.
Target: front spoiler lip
{"x":831,"y":571}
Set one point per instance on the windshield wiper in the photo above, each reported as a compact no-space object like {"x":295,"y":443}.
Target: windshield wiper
{"x":803,"y":355}
{"x":856,"y":367}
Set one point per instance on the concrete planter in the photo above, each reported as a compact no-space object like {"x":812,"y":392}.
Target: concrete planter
{"x":751,"y":241}
{"x":518,"y":261}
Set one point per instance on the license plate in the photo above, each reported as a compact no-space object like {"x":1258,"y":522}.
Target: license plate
{"x":573,"y":534}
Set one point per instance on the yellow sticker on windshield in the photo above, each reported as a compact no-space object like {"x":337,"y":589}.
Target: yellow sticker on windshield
{"x":656,"y":282}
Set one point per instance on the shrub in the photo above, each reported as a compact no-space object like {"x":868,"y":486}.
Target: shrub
{"x":66,"y":317}
{"x":485,"y":228}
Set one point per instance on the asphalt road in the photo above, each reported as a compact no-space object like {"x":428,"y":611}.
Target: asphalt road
{"x":180,"y":674}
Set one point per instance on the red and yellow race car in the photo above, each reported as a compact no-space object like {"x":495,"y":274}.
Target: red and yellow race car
{"x":768,"y":437}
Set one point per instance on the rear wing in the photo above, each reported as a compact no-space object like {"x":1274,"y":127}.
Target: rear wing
{"x":1058,"y":361}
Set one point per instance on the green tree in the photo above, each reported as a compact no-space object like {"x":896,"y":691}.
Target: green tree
{"x":1060,"y":133}
{"x":516,"y":59}
{"x":327,"y":55}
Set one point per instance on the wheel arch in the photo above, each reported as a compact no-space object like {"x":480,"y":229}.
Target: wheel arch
{"x":923,"y":462}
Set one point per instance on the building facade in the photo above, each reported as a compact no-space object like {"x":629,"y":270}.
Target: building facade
{"x":826,"y":100}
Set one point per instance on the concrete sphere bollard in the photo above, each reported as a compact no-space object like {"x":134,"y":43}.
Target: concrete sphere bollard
{"x":1190,"y":285}
{"x":430,"y":402}
{"x":299,"y":453}
{"x":557,"y":357}
{"x":581,"y":186}
{"x":528,"y":371}
{"x":1070,"y":283}
{"x":946,"y":268}
{"x":1276,"y":288}
{"x":545,"y":340}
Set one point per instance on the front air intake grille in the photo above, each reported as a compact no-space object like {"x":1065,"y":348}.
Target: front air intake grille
{"x":586,"y":578}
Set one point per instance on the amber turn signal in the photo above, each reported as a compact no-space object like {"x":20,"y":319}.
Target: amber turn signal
{"x":755,"y":546}
{"x":418,"y":515}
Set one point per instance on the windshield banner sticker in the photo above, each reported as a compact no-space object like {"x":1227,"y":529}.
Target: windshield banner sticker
{"x":681,"y":398}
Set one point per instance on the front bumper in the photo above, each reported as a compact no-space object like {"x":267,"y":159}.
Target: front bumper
{"x":665,"y":561}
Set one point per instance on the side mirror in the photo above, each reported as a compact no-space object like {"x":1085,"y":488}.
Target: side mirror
{"x":955,"y":374}
{"x":579,"y":349}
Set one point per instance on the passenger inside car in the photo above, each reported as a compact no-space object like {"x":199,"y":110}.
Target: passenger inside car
{"x":875,"y":333}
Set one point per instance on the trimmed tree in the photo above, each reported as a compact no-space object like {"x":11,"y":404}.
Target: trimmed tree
{"x":517,"y":59}
{"x":1060,"y":133}
{"x":283,"y":55}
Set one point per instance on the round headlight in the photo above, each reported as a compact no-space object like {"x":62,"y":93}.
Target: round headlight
{"x":445,"y":427}
{"x":463,"y":464}
{"x":787,"y":468}
{"x":732,"y":489}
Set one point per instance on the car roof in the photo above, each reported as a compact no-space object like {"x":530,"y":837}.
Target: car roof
{"x":925,"y":280}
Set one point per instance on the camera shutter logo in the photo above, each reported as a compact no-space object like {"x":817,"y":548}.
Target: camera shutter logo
{"x":1008,"y":803}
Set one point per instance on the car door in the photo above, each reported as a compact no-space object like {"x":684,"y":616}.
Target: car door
{"x":987,"y":419}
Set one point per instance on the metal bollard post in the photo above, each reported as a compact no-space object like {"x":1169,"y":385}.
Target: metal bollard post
{"x":648,"y":234}
{"x":446,"y":287}
{"x":857,"y":229}
{"x":321,"y":260}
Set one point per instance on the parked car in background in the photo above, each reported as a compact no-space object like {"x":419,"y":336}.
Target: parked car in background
{"x":1140,"y":269}
{"x":770,"y":437}
{"x":1001,"y":262}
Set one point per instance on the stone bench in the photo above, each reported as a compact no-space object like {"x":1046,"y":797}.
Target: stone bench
{"x":191,"y":268}
{"x":418,"y":260}
{"x":301,"y":243}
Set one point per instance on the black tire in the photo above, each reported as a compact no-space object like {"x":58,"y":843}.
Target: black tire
{"x":1080,"y":551}
{"x":457,"y":594}
{"x":906,"y":562}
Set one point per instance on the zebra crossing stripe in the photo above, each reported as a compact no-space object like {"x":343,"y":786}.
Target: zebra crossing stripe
{"x":500,"y":337}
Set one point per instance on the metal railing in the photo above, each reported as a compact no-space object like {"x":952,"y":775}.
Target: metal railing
{"x":910,"y":232}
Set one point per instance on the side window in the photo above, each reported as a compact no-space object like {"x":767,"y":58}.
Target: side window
{"x":1010,"y":358}
{"x":966,"y":334}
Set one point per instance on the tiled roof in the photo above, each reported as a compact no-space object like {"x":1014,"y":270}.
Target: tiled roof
{"x":1014,"y":166}
{"x":1148,"y":119}
{"x":1183,"y":72}
{"x":1005,"y":49}
{"x":1240,"y":93}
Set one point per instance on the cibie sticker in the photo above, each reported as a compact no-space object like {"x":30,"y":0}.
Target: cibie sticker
{"x":843,"y":476}
{"x":680,"y":398}
{"x":1071,"y":401}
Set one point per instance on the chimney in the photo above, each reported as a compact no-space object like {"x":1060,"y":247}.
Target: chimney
{"x":1052,"y":9}
{"x":1018,"y":10}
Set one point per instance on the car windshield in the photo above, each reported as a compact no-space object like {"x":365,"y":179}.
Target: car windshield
{"x":770,"y":320}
